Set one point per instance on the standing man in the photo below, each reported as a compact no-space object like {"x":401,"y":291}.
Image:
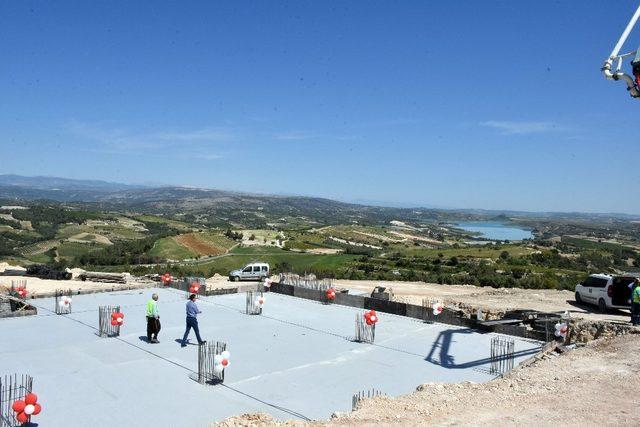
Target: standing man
{"x":635,"y":303}
{"x":192,"y":320}
{"x":153,"y":320}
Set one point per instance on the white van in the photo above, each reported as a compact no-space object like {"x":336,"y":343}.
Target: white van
{"x":253,"y":271}
{"x":606,"y":291}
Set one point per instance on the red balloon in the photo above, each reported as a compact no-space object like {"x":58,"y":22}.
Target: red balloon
{"x":31,"y":399}
{"x":22,"y":417}
{"x":37,"y":409}
{"x":18,"y":405}
{"x":225,"y":362}
{"x":367,"y":315}
{"x":114,"y":323}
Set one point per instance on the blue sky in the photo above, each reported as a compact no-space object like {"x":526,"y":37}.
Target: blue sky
{"x":463,"y":104}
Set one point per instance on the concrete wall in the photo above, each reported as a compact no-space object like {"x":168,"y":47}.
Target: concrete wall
{"x":448,"y":316}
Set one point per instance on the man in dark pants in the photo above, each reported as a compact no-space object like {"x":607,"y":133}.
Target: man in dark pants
{"x":635,"y":303}
{"x":153,"y":320}
{"x":192,"y":320}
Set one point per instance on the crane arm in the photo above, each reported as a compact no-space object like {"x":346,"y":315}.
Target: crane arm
{"x":617,"y":74}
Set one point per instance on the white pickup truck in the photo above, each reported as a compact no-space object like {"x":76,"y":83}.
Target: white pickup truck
{"x":606,"y":291}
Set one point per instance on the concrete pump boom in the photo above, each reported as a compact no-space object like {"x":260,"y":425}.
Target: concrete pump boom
{"x":617,"y":74}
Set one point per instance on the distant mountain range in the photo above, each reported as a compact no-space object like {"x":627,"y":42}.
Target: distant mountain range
{"x":182,"y":199}
{"x":62,"y":184}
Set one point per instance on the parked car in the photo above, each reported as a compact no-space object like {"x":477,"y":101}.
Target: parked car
{"x":606,"y":291}
{"x":253,"y":271}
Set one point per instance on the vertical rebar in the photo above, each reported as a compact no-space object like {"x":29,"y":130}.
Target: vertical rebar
{"x":105,"y":328}
{"x":12,"y":389}
{"x":62,"y":308}
{"x":206,"y":355}
{"x":364,"y":394}
{"x":251,"y":304}
{"x":502,"y":355}
{"x":364,"y":333}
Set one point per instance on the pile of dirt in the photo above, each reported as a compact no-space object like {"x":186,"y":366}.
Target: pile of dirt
{"x":256,"y":420}
{"x":583,"y":331}
{"x":553,"y":391}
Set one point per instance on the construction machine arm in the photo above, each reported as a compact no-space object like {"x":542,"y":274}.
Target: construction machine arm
{"x":633,"y":82}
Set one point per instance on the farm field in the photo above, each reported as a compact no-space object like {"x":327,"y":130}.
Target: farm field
{"x":191,"y":245}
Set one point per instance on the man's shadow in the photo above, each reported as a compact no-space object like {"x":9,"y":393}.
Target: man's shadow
{"x":179,"y":341}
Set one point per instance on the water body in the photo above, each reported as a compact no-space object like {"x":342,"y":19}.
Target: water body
{"x":495,"y":230}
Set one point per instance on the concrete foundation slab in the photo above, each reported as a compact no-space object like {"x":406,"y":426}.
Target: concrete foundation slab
{"x":296,"y":360}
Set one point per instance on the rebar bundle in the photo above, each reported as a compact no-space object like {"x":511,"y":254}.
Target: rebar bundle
{"x":206,"y":355}
{"x":18,"y":284}
{"x":364,"y":332}
{"x":253,"y":305}
{"x":186,"y":283}
{"x":502,"y":355}
{"x":364,"y":394}
{"x":105,"y":328}
{"x":63,"y":301}
{"x":307,"y":281}
{"x":428,"y":304}
{"x":12,"y":388}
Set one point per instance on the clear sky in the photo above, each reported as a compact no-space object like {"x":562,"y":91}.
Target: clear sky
{"x":462,"y":104}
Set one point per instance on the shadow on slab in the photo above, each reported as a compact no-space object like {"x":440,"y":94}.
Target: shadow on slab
{"x":443,"y":342}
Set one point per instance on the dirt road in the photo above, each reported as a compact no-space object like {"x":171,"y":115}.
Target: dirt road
{"x":41,"y":287}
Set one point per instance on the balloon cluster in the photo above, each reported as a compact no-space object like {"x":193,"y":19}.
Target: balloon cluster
{"x":267,"y":282}
{"x":561,"y":330}
{"x":437,"y":308}
{"x":260,"y":301}
{"x":166,"y":278}
{"x":22,"y":292}
{"x":117,"y":319}
{"x":26,"y":408}
{"x":331,"y":294}
{"x":65,"y":301}
{"x":194,"y":288}
{"x":221,"y":361}
{"x":370,"y":317}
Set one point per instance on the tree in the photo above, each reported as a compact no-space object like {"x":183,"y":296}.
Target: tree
{"x":504,"y":254}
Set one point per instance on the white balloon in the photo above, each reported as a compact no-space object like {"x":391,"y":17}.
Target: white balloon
{"x":62,"y":303}
{"x":225,"y":354}
{"x":373,"y":318}
{"x":217,"y":359}
{"x":561,"y":330}
{"x":217,"y":369}
{"x":437,"y":309}
{"x":29,"y":409}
